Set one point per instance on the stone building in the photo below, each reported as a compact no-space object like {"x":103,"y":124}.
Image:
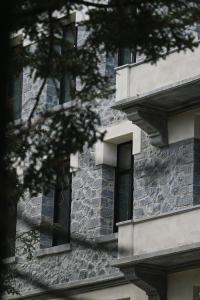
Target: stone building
{"x":135,"y":197}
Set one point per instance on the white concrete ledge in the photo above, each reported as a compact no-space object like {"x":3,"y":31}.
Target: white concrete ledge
{"x":131,"y":82}
{"x":125,"y":131}
{"x":160,"y":216}
{"x":180,"y":229}
{"x":84,"y":285}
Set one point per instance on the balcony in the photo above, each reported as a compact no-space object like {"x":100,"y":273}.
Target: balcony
{"x":160,"y":238}
{"x":148,"y":249}
{"x":150,"y":93}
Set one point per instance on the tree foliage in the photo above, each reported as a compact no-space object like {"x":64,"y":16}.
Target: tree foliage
{"x":152,"y":28}
{"x":40,"y":144}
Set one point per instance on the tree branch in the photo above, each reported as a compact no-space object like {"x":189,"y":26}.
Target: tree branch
{"x":37,"y":100}
{"x":53,"y":5}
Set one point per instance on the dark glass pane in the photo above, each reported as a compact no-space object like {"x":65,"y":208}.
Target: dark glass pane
{"x":15,"y":95}
{"x":67,"y":87}
{"x":124,"y":156}
{"x":198,"y":30}
{"x":68,"y":82}
{"x":69,"y":34}
{"x":11,"y":230}
{"x":124,"y":197}
{"x":125,"y":56}
{"x":123,"y":183}
{"x":47,"y":216}
{"x":62,"y":204}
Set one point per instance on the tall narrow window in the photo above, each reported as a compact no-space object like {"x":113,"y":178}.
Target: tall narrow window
{"x":15,"y":95}
{"x":11,"y":229}
{"x":56,"y":209}
{"x":124,"y":184}
{"x":68,"y":82}
{"x":15,"y":81}
{"x":62,"y":205}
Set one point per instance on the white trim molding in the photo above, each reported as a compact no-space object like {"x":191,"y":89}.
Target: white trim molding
{"x":106,"y":151}
{"x":184,"y":126}
{"x":74,"y":162}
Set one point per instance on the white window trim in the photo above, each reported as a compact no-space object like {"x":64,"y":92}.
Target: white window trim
{"x":74,"y":162}
{"x":106,"y":151}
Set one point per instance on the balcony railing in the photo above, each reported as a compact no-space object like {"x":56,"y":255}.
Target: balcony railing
{"x":145,"y":79}
{"x":167,"y":240}
{"x":149,"y":93}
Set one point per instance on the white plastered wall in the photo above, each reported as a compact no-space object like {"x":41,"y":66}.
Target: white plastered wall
{"x":106,"y":151}
{"x":125,"y":292}
{"x":74,"y":162}
{"x":181,"y":284}
{"x":184,"y":126}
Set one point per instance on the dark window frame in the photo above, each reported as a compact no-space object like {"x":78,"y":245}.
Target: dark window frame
{"x":56,"y":239}
{"x":10,"y":242}
{"x":62,"y":98}
{"x":131,"y":187}
{"x":15,"y":89}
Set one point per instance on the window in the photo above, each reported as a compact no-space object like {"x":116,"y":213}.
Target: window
{"x":56,"y":209}
{"x":62,"y":204}
{"x":15,"y":95}
{"x":14,"y":88}
{"x":123,"y":202}
{"x":121,"y":142}
{"x":126,"y":56}
{"x":11,"y":229}
{"x":198,"y":30}
{"x":68,"y":82}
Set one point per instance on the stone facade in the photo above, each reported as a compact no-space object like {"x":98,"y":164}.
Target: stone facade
{"x":91,"y":207}
{"x":165,"y":180}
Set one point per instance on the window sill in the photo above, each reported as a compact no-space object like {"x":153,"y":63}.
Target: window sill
{"x":65,"y":105}
{"x":53,"y":250}
{"x":108,"y":238}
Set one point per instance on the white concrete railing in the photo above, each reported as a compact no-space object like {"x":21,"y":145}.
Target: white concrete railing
{"x":141,"y":79}
{"x":161,"y":233}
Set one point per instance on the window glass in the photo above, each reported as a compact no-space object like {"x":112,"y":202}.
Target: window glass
{"x":126,"y":56}
{"x":124,"y":156}
{"x":68,"y":82}
{"x":124,"y":191}
{"x":15,"y":95}
{"x":56,"y":209}
{"x":198,"y":31}
{"x":123,"y":184}
{"x":62,"y":205}
{"x":11,"y":230}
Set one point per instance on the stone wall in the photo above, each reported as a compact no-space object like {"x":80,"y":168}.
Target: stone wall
{"x":91,"y":211}
{"x":91,"y":217}
{"x":165,"y":179}
{"x":163,"y":182}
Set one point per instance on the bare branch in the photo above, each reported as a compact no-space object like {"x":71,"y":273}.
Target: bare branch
{"x":37,"y":100}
